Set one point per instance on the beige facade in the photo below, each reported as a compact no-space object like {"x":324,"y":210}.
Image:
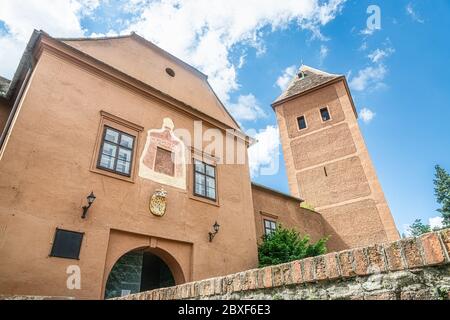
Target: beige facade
{"x":285,"y":210}
{"x":74,"y":100}
{"x":46,"y":172}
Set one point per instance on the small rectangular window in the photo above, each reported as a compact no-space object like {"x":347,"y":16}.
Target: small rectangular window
{"x":301,"y":121}
{"x":269,"y":226}
{"x":116,"y":152}
{"x":325,"y":114}
{"x":67,"y":244}
{"x":204,"y":180}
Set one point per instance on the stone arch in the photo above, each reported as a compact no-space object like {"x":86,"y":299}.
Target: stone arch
{"x":143,"y":269}
{"x":176,"y":255}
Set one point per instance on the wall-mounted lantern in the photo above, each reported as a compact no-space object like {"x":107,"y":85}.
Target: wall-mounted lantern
{"x":216,"y":227}
{"x":90,"y":199}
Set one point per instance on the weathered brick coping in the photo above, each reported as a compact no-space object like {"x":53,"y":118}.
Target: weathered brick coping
{"x":428,"y":250}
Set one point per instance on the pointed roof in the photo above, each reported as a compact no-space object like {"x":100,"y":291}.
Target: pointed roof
{"x":148,"y":63}
{"x":307,"y":78}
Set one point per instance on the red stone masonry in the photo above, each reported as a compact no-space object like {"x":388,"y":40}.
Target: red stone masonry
{"x":427,"y":250}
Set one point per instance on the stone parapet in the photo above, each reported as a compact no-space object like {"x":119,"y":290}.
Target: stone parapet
{"x":413,"y":268}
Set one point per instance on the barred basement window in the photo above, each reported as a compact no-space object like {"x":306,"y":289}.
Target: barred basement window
{"x":67,"y":244}
{"x":204,"y":180}
{"x":301,"y":121}
{"x":116,"y":152}
{"x":269,"y":226}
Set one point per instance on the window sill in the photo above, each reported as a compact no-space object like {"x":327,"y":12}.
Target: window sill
{"x":112,"y":175}
{"x":204,"y":200}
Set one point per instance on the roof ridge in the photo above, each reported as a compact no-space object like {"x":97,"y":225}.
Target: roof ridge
{"x":133,"y":34}
{"x":95,"y":38}
{"x":176,"y":60}
{"x":309,"y":68}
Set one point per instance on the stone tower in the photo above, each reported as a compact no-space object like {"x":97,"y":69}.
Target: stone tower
{"x":327,"y":161}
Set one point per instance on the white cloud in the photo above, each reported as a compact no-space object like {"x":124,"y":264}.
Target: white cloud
{"x":368,"y":32}
{"x":413,"y":14}
{"x":200,"y":32}
{"x":363,"y":46}
{"x":59,"y":18}
{"x":324,"y":50}
{"x":264,"y":155}
{"x":366,"y":115}
{"x":370,"y":77}
{"x":203,"y":32}
{"x":283,"y":80}
{"x":379,"y":54}
{"x":436,"y":222}
{"x":246,"y":109}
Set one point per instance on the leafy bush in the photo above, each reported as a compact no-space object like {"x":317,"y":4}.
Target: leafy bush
{"x":285,"y":245}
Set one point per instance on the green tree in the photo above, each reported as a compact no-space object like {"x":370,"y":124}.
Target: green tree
{"x":285,"y":245}
{"x":442,"y":192}
{"x":418,"y":228}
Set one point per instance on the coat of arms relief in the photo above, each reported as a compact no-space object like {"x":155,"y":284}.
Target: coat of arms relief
{"x":163,"y":161}
{"x":158,"y":202}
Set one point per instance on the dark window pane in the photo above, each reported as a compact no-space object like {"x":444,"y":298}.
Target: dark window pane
{"x":210,"y":171}
{"x":126,"y":141}
{"x":211,"y":193}
{"x":123,"y":166}
{"x":199,"y":166}
{"x":200,"y":189}
{"x":109,"y":149}
{"x":325,"y":114}
{"x":210,"y":182}
{"x":301,"y":122}
{"x":67,"y":244}
{"x":199,"y":179}
{"x":107,"y":162}
{"x":111,"y":135}
{"x":124,"y":154}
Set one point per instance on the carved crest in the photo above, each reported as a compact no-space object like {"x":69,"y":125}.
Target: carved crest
{"x":158,"y":202}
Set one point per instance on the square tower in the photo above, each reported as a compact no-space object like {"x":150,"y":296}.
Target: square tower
{"x":327,"y":161}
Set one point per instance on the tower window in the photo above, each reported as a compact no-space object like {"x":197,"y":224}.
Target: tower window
{"x":325,"y":114}
{"x":301,"y":121}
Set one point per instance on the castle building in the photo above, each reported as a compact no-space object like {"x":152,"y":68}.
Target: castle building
{"x":327,"y":161}
{"x":106,"y":189}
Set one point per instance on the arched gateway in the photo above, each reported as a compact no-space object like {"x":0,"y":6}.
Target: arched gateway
{"x":137,"y":271}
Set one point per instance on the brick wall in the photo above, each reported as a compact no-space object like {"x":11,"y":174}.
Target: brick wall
{"x":309,"y":106}
{"x":416,"y":268}
{"x":344,"y":180}
{"x":322,"y":146}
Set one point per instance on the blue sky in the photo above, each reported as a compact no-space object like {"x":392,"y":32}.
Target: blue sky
{"x":399,"y":75}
